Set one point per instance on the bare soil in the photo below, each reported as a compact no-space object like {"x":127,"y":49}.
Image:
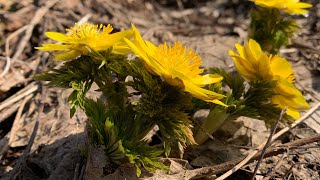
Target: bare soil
{"x":211,"y":28}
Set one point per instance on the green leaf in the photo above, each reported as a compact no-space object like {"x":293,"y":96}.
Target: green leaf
{"x":79,"y":70}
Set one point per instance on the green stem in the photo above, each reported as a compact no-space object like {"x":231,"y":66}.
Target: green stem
{"x":114,"y":92}
{"x":214,"y":120}
{"x":146,"y":131}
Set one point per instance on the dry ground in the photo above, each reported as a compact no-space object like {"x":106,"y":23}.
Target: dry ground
{"x":56,"y":149}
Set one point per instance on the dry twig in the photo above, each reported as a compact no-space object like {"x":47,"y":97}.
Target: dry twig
{"x":279,"y":163}
{"x":28,"y":33}
{"x":238,"y":163}
{"x":252,"y":154}
{"x":221,"y":168}
{"x":299,"y":163}
{"x":7,"y":112}
{"x":8,"y":139}
{"x":181,"y":8}
{"x":17,"y":121}
{"x":19,"y":95}
{"x":7,"y":49}
{"x":26,"y":152}
{"x":267,"y":143}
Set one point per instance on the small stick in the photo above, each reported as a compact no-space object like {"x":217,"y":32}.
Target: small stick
{"x":279,"y":163}
{"x":181,"y":8}
{"x":76,"y":172}
{"x":82,"y":172}
{"x":17,"y":121}
{"x":268,"y":143}
{"x":7,"y":140}
{"x":4,"y":145}
{"x":299,"y":163}
{"x":36,"y":19}
{"x":84,"y":19}
{"x":28,"y":28}
{"x":7,"y":49}
{"x":9,"y":111}
{"x":221,"y":168}
{"x":14,"y":172}
{"x":16,"y":98}
{"x":278,"y":134}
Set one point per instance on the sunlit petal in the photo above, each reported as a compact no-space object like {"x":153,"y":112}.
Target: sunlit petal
{"x":288,"y":6}
{"x":253,"y":64}
{"x":79,"y":38}
{"x":53,"y":47}
{"x":177,"y":65}
{"x":66,"y":56}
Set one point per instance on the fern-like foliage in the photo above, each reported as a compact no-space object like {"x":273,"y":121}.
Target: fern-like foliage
{"x":257,"y":101}
{"x":79,"y":92}
{"x":76,"y":74}
{"x":165,"y":106}
{"x":116,"y":131}
{"x":234,"y":81}
{"x":104,"y":133}
{"x":79,"y":70}
{"x":117,"y":127}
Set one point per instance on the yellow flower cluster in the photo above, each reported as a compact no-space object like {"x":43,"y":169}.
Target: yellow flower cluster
{"x":82,"y":39}
{"x":253,"y":64}
{"x":177,"y":66}
{"x":288,"y":6}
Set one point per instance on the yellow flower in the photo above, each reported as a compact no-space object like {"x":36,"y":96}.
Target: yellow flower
{"x":81,"y":39}
{"x":177,"y":66}
{"x":288,"y":6}
{"x":253,"y":64}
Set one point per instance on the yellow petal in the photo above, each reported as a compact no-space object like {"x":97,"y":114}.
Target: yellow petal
{"x":152,"y":66}
{"x":279,"y":100}
{"x":138,"y":40}
{"x":70,"y":55}
{"x":264,"y":69}
{"x":297,"y":8}
{"x":121,"y":48}
{"x":53,"y":47}
{"x":218,"y":102}
{"x":281,"y":67}
{"x":241,"y":51}
{"x":57,"y":36}
{"x":243,"y":66}
{"x":293,"y":113}
{"x":151,"y":48}
{"x":203,"y":94}
{"x":139,"y":52}
{"x":285,"y":88}
{"x":288,"y":6}
{"x":255,"y":49}
{"x":112,"y":39}
{"x":207,"y":79}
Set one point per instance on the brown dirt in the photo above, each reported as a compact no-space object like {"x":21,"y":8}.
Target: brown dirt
{"x":210,"y":27}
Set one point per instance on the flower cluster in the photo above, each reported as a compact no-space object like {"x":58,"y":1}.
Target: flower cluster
{"x":168,"y":87}
{"x":253,"y":64}
{"x":177,"y":65}
{"x":84,"y":38}
{"x":168,"y":79}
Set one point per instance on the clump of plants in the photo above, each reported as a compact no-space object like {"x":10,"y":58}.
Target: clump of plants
{"x":271,"y":24}
{"x":169,"y":86}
